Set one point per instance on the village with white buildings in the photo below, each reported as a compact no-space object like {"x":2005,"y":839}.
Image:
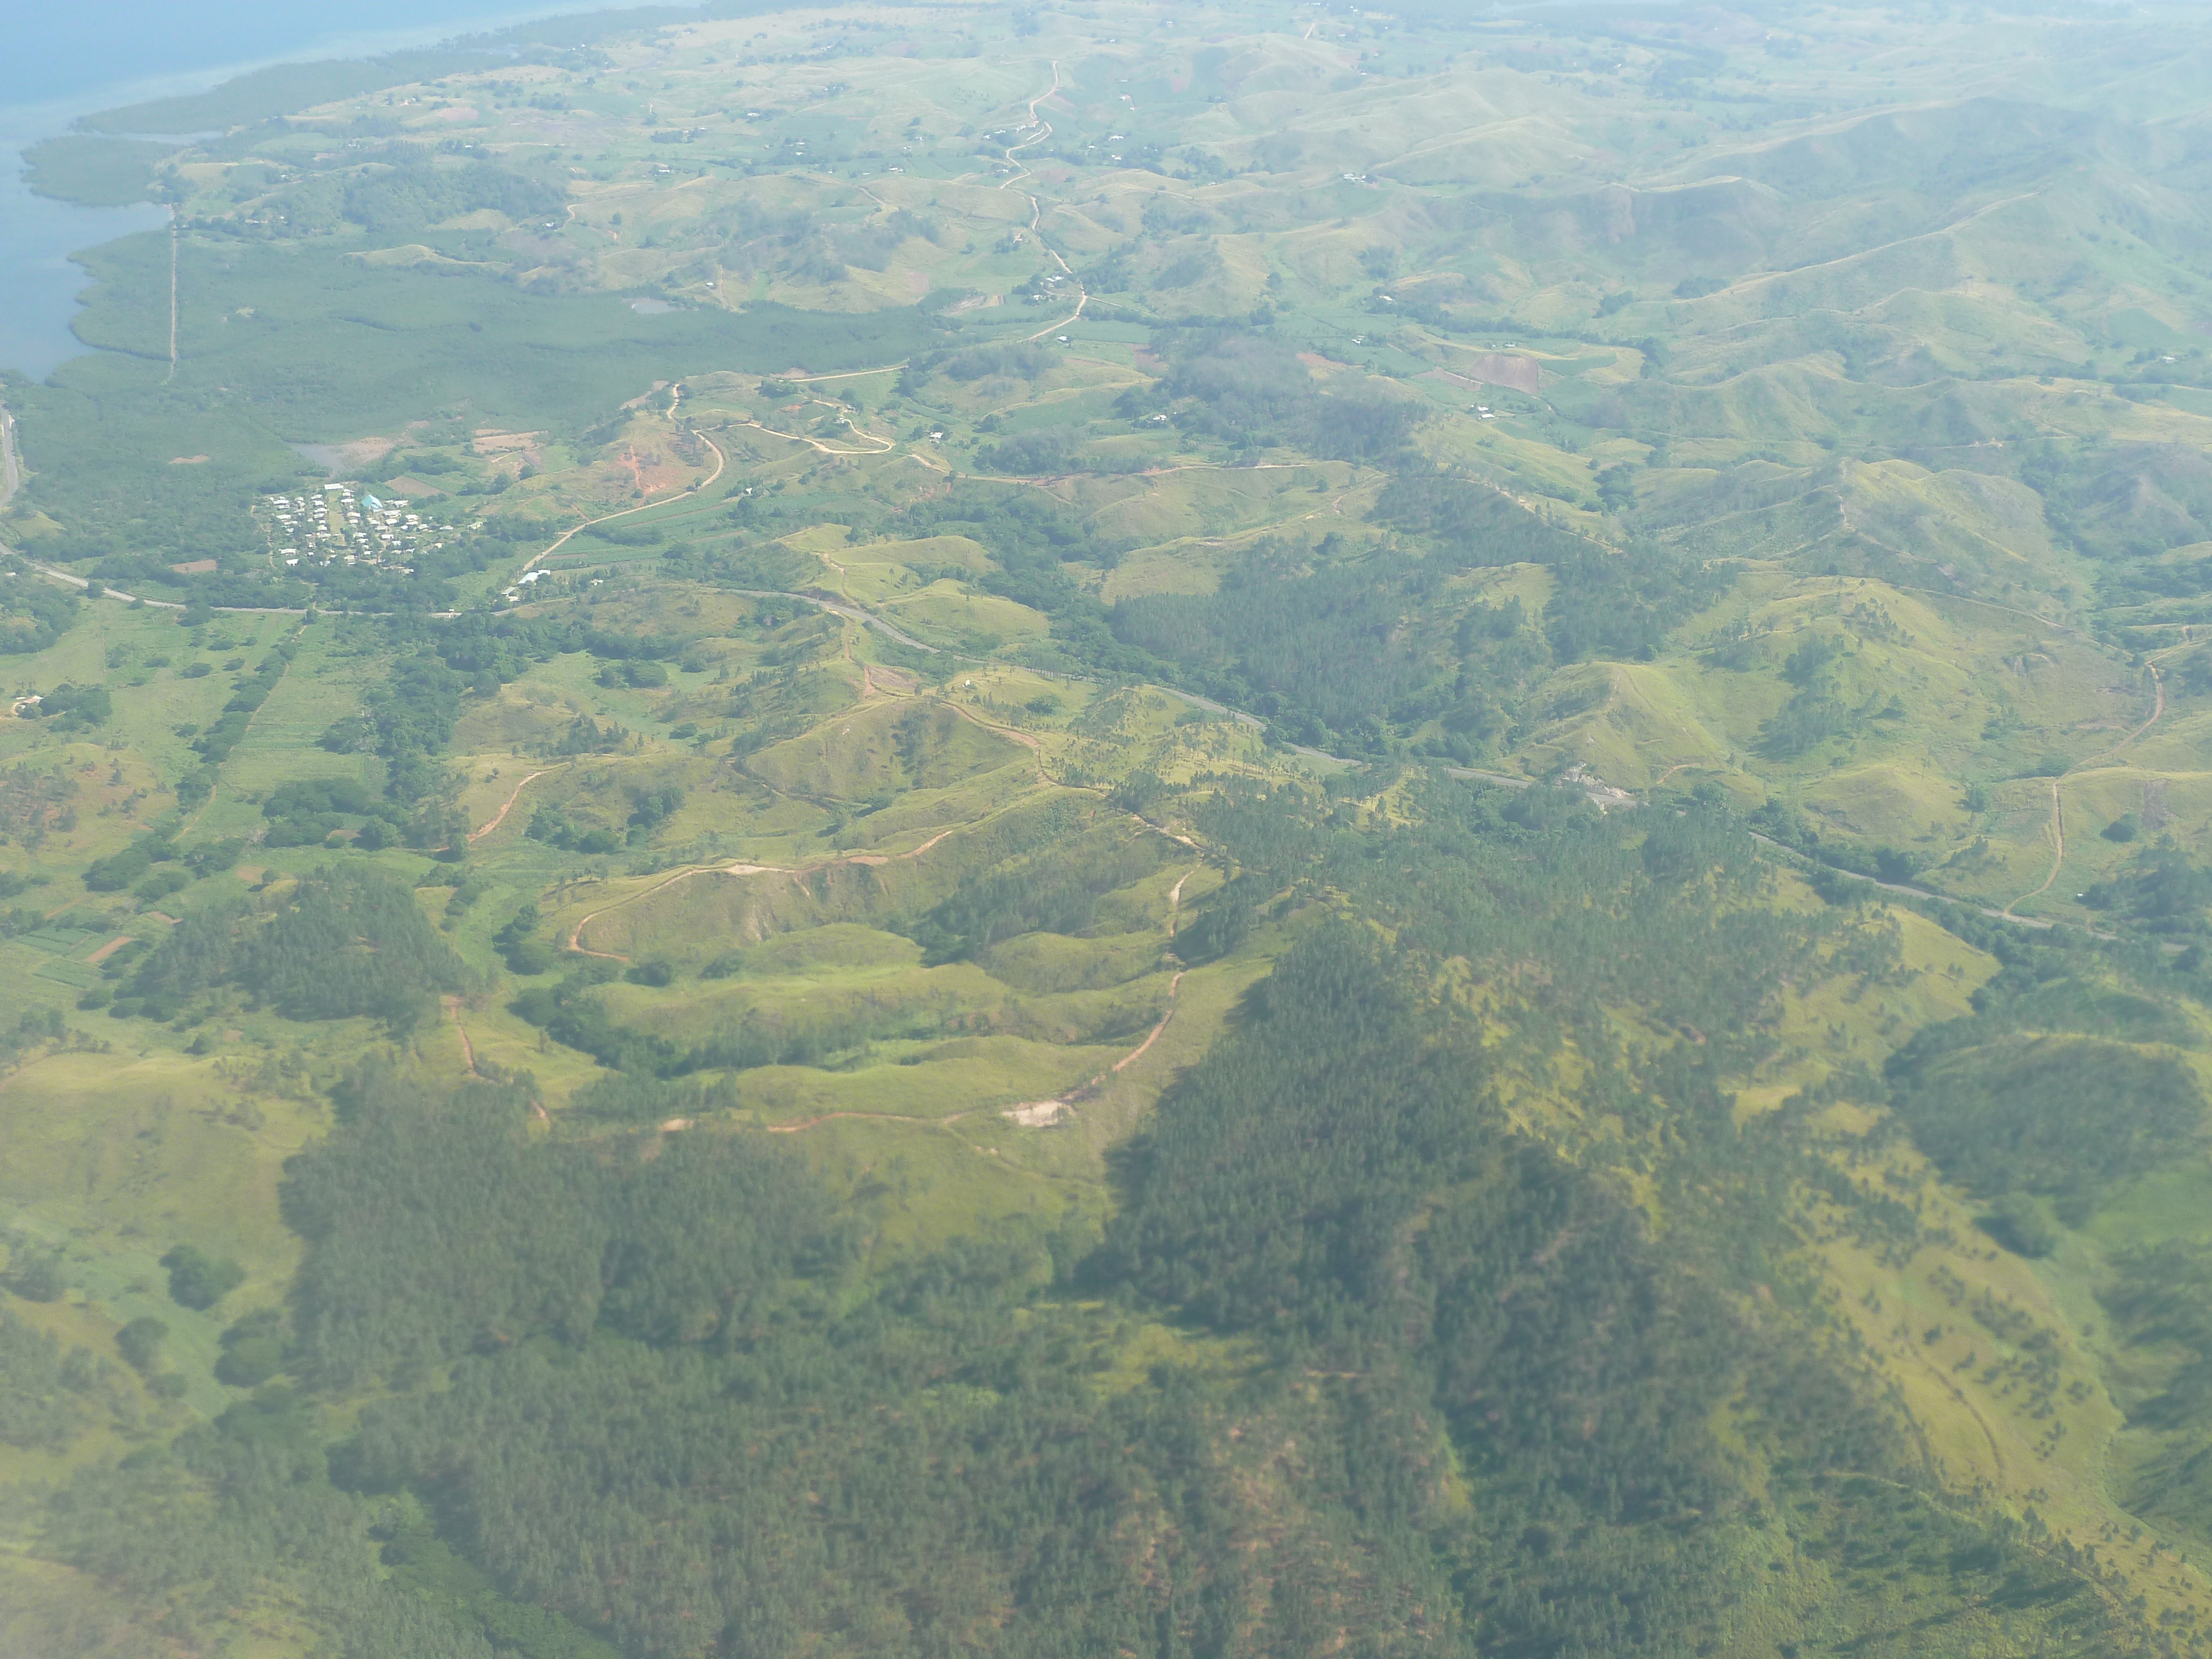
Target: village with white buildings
{"x":333,"y":525}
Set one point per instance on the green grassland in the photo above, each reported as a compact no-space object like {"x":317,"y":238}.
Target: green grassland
{"x":938,"y":1054}
{"x":972,"y":784}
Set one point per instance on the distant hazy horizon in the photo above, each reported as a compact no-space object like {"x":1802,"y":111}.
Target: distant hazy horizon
{"x":68,"y":55}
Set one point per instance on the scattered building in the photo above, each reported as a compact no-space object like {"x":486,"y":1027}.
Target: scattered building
{"x":332,"y":525}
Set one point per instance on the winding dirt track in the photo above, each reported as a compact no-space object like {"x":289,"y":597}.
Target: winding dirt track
{"x":1013,"y":734}
{"x":1037,"y":206}
{"x":500,"y":816}
{"x":874,"y":860}
{"x":873,"y":1117}
{"x":1035,"y":1112}
{"x":2058,"y":801}
{"x":1175,"y":982}
{"x":721,"y":461}
{"x":468,"y":1048}
{"x":818,"y":445}
{"x":1962,"y":1399}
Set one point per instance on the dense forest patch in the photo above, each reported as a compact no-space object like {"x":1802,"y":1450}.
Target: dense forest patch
{"x":2061,"y":1115}
{"x":966,"y":1475}
{"x":341,"y":944}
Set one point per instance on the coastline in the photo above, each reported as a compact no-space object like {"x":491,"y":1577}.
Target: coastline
{"x":40,"y":282}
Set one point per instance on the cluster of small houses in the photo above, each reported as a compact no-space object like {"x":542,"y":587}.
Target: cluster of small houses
{"x":329,"y":525}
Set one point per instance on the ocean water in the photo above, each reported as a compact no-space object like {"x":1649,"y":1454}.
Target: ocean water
{"x":58,"y":62}
{"x":38,"y":285}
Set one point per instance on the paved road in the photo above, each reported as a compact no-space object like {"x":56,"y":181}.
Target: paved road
{"x":157,"y":605}
{"x":1488,"y":777}
{"x":11,"y":479}
{"x":1237,"y":715}
{"x":1603,"y":795}
{"x":11,"y":471}
{"x":1914,"y":893}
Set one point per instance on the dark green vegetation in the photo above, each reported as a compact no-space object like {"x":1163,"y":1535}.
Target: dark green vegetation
{"x":339,"y":946}
{"x":198,"y":1280}
{"x":2062,"y":1084}
{"x":1055,"y":890}
{"x":1251,"y":393}
{"x":97,"y":172}
{"x":1355,"y":650}
{"x":2158,"y":1297}
{"x":925,"y":1452}
{"x":2057,"y":1115}
{"x":33,"y":614}
{"x":47,"y":1395}
{"x":283,"y":88}
{"x":696,"y":1246}
{"x":1454,"y":1380}
{"x":104,"y":433}
{"x":73,"y":707}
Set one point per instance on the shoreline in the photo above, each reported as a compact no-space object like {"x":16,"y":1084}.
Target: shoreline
{"x":41,"y":284}
{"x":27,"y":122}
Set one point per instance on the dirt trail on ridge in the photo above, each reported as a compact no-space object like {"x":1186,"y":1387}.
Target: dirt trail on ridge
{"x":2058,"y":801}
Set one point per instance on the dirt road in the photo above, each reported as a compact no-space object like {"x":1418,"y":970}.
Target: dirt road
{"x":2058,"y":801}
{"x":795,"y":872}
{"x":721,"y":461}
{"x":1043,"y":131}
{"x":1044,"y":1114}
{"x":500,"y":816}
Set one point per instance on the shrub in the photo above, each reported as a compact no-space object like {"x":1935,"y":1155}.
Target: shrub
{"x":74,"y":705}
{"x":251,"y":1363}
{"x":159,"y":885}
{"x":140,"y":1342}
{"x":2018,"y":1223}
{"x":198,"y":1281}
{"x":530,"y":957}
{"x":117,"y":872}
{"x":253,"y":1350}
{"x":37,"y":1275}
